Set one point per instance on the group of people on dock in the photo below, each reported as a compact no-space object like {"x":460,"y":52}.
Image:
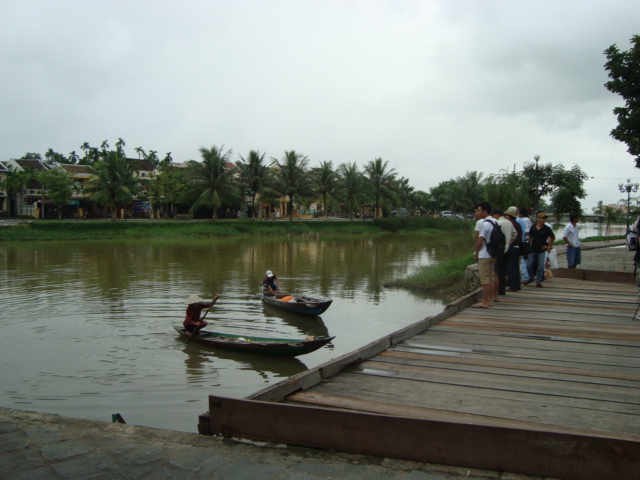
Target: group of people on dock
{"x":527,"y":249}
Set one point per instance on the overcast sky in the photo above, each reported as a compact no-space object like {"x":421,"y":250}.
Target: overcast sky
{"x":437,"y":88}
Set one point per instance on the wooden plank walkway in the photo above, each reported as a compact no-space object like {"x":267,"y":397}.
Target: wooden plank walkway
{"x":546,"y":383}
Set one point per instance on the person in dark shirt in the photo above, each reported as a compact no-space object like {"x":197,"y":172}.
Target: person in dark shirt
{"x":541,"y":238}
{"x":270,"y":282}
{"x":195,"y":305}
{"x":513,"y":258}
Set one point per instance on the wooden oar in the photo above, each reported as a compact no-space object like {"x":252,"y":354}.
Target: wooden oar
{"x":195,"y":330}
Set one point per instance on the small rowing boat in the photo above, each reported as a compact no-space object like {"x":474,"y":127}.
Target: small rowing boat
{"x":268,"y":346}
{"x":293,"y":302}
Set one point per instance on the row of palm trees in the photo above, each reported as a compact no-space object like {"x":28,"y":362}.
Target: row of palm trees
{"x":217,"y":183}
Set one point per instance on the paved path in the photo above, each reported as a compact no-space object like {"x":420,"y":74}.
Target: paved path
{"x":36,"y":446}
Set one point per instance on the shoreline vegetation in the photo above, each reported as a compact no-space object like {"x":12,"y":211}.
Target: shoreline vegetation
{"x":44,"y":230}
{"x":445,"y":278}
{"x":448,"y":278}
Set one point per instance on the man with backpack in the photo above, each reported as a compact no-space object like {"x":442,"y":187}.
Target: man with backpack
{"x":483,"y":253}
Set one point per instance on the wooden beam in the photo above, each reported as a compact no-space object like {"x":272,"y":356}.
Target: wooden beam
{"x":568,"y":456}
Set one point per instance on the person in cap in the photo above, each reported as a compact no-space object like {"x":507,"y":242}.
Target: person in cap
{"x":195,"y":305}
{"x":513,"y":255}
{"x":270,"y":282}
{"x":501,"y":262}
{"x":542,"y":238}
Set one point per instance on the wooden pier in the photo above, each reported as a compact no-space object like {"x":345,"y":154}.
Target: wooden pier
{"x":547,"y":382}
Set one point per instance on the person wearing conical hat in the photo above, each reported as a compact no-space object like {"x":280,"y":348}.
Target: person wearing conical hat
{"x":195,"y":305}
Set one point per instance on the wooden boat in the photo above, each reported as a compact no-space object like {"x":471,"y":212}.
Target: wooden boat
{"x":302,"y":303}
{"x":268,"y":346}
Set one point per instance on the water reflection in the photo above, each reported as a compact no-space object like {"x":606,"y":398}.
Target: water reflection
{"x":201,"y":359}
{"x":305,"y":324}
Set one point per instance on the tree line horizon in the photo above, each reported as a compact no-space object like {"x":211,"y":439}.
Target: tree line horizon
{"x":211,"y":185}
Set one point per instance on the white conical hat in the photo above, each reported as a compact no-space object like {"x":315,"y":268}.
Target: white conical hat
{"x":193,"y":298}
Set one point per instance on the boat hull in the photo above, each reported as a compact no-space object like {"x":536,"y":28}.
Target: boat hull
{"x":305,"y":305}
{"x":262,"y":345}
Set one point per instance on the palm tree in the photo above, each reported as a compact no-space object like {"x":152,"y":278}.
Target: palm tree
{"x":404,"y":192}
{"x":209,"y":182}
{"x":293,"y":178}
{"x":326,"y":183}
{"x":381,"y":180}
{"x":254,"y":176}
{"x":115,"y":183}
{"x":120,"y":147}
{"x":140,"y":151}
{"x":351,"y":186}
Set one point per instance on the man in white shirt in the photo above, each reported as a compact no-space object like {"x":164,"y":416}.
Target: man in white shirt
{"x":486,"y":263}
{"x":571,"y":237}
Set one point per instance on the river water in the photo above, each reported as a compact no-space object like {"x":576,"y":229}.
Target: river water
{"x":87,"y":326}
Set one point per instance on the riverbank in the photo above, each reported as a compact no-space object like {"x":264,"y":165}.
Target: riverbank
{"x":448,"y":278}
{"x":43,"y":230}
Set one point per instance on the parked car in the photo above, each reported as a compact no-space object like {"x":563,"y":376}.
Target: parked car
{"x":450,"y":215}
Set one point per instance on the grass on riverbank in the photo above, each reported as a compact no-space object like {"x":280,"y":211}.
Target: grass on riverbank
{"x":445,"y":278}
{"x":107,"y":230}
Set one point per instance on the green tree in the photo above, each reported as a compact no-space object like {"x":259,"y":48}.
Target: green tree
{"x":53,"y":158}
{"x":31,"y":156}
{"x":568,"y":190}
{"x":91,"y":154}
{"x":254,"y":177}
{"x":293,"y":177}
{"x":166,"y":188}
{"x":14,"y":181}
{"x":74,"y":158}
{"x":352,"y":187}
{"x":325,"y":184}
{"x":381,"y":179}
{"x":209,"y":183}
{"x":115,"y":183}
{"x":507,"y":189}
{"x":624,"y":72}
{"x":57,"y":185}
{"x":405,"y":193}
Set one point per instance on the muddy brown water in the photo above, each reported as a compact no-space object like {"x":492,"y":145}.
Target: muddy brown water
{"x":87,"y":326}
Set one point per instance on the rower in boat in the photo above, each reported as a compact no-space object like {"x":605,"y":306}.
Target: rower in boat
{"x":270,"y":282}
{"x":195,"y":305}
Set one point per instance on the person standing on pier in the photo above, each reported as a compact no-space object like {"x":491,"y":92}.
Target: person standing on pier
{"x":486,"y":263}
{"x":513,"y":260}
{"x":571,"y":237}
{"x":542,"y":239}
{"x":503,"y":260}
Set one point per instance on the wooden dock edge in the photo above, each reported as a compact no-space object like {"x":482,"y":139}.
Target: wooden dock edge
{"x":543,"y":453}
{"x":307,"y":379}
{"x":594,"y":275}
